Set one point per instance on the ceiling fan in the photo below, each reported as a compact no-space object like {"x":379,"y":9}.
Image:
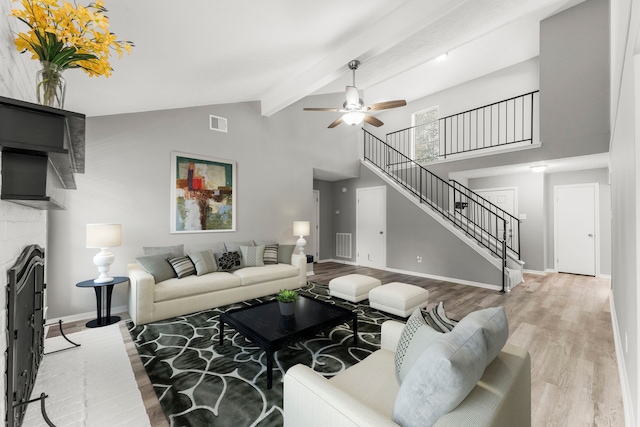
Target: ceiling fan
{"x":354,"y":109}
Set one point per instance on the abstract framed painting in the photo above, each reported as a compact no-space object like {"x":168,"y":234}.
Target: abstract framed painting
{"x":203,"y":194}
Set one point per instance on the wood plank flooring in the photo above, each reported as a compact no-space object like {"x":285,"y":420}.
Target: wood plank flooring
{"x":563,"y":320}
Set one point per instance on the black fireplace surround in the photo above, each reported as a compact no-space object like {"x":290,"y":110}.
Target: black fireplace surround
{"x":25,"y":331}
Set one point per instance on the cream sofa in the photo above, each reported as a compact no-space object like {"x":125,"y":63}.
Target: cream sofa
{"x":150,"y":301}
{"x":365,"y":394}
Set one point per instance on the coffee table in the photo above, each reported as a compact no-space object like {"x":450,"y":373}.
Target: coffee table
{"x":266,"y":327}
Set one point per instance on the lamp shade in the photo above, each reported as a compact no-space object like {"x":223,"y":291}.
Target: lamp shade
{"x":301,"y":228}
{"x":103,"y":235}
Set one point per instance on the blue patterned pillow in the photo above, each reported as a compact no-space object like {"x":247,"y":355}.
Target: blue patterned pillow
{"x":228,"y":261}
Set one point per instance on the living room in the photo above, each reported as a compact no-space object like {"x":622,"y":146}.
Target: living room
{"x":128,"y":167}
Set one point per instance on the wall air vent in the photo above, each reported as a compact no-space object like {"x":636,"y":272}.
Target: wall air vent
{"x":343,"y":245}
{"x":217,"y":123}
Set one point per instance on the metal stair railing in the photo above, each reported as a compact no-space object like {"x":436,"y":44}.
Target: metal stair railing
{"x":501,"y":123}
{"x":452,"y":202}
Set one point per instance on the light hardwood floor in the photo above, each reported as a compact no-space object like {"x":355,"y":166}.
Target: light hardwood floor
{"x":563,"y":321}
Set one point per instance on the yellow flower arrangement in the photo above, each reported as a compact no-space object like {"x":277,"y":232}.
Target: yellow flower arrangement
{"x":69,"y":35}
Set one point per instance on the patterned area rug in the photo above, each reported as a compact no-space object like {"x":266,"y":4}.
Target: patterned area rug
{"x":200,"y":383}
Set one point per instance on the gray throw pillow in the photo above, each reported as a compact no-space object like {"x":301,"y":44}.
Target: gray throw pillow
{"x":495,"y":328}
{"x":285,"y":252}
{"x":204,"y":261}
{"x":235,"y":246}
{"x":157,"y":266}
{"x":175,"y":250}
{"x":441,"y":377}
{"x":252,"y":256}
{"x":270,"y":254}
{"x":415,"y":337}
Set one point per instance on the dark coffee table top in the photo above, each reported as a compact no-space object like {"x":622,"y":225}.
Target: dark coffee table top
{"x":264,"y":325}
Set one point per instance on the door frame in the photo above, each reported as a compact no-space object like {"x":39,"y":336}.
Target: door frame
{"x":316,"y":225}
{"x":596,"y":220}
{"x":384,"y":213}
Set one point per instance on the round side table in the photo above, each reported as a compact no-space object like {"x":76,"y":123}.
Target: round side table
{"x":103,"y":306}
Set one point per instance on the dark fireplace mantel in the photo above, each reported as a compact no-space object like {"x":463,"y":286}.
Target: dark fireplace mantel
{"x":42,"y":150}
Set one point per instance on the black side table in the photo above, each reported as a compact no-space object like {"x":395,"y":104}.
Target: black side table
{"x":102,"y":306}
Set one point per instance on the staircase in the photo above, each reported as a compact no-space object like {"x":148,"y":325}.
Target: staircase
{"x":482,"y":222}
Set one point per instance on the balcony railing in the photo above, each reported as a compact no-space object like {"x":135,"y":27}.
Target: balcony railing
{"x":503,"y":123}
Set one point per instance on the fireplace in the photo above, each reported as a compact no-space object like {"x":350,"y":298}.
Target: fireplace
{"x":25,"y":331}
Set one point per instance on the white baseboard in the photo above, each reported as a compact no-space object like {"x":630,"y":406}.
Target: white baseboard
{"x":604,"y":276}
{"x":86,"y":316}
{"x":338,"y":261}
{"x":446,"y":279}
{"x":622,"y":368}
{"x":537,"y":272}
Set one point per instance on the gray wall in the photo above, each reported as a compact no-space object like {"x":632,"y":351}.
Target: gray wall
{"x":530,"y":202}
{"x":127,"y":181}
{"x":412,"y":232}
{"x":599,"y":176}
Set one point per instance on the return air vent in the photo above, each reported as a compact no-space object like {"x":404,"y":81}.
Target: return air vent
{"x":343,"y":245}
{"x":217,"y":123}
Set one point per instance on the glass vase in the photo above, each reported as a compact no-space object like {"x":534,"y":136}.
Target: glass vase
{"x":50,"y":85}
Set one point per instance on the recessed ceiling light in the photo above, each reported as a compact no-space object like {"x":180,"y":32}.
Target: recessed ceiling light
{"x":538,"y":168}
{"x":442,"y":57}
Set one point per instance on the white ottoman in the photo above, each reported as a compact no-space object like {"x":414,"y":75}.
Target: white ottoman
{"x":352,"y":287}
{"x":398,"y":298}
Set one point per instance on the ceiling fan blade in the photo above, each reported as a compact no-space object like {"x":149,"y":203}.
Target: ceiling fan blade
{"x":335,"y":123}
{"x":372,"y":120}
{"x":352,"y":96}
{"x":387,"y":104}
{"x":321,"y":109}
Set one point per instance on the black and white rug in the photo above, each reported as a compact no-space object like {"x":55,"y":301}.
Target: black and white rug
{"x":200,"y":383}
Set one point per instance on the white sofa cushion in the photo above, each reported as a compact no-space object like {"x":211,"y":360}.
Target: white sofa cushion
{"x":372,"y":381}
{"x":194,"y":285}
{"x":267,"y":273}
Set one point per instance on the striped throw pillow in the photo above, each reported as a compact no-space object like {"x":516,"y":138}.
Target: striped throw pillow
{"x":182,"y":266}
{"x":438,"y":320}
{"x":270,"y":255}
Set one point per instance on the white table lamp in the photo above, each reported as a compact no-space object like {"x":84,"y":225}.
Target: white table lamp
{"x":301,"y":228}
{"x":103,"y":236}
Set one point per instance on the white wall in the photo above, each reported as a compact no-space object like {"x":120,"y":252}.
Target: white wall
{"x":127,"y":181}
{"x":625,"y":151}
{"x":19,"y":226}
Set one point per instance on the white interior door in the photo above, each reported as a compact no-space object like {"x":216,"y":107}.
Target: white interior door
{"x":575,"y":228}
{"x":507,"y":200}
{"x":371,"y":227}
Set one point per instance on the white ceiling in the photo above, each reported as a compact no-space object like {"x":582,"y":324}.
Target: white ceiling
{"x":204,"y":52}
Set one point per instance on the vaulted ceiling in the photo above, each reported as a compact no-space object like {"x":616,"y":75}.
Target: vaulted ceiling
{"x":202,"y":52}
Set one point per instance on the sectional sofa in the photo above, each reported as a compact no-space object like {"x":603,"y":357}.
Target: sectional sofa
{"x":169,"y":282}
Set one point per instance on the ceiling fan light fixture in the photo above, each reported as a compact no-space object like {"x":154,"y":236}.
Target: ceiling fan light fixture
{"x":353,"y":118}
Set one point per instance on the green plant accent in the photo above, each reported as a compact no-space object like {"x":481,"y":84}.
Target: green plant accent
{"x":286,"y":295}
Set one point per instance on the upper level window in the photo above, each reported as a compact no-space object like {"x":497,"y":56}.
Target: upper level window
{"x":426,"y":140}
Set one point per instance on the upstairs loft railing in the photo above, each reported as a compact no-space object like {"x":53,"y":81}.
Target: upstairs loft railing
{"x":490,"y":226}
{"x":503,"y":123}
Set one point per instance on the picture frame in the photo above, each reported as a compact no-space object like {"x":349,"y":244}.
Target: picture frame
{"x":203,"y":194}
